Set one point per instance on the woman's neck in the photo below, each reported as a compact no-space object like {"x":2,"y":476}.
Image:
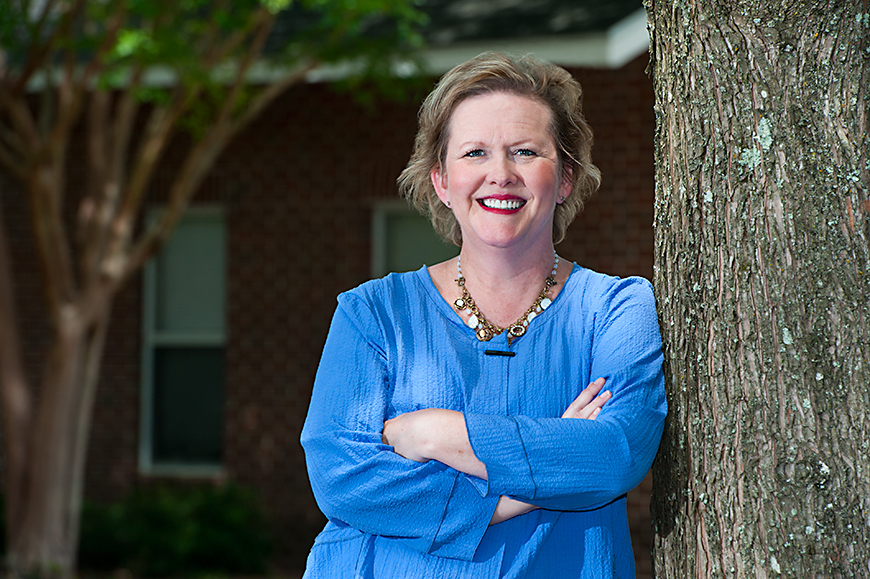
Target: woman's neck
{"x":496,"y":268}
{"x":505,"y":283}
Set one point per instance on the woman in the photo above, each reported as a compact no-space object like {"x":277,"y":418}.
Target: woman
{"x":450,"y":433}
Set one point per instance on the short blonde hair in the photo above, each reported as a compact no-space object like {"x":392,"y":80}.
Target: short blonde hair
{"x":493,"y":72}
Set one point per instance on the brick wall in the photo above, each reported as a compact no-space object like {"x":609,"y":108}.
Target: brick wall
{"x":298,"y":187}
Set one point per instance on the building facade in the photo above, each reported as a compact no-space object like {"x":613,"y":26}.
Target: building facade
{"x":212,"y":351}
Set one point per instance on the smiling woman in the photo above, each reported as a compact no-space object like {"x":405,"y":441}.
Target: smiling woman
{"x":501,"y":173}
{"x":459,"y":413}
{"x":490,"y":73}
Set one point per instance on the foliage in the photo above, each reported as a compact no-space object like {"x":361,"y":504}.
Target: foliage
{"x":195,"y":43}
{"x":162,"y":531}
{"x":126,"y":76}
{"x":130,"y":74}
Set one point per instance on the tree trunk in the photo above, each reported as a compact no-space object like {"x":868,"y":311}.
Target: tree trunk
{"x":45,"y":540}
{"x":46,"y":436}
{"x":763,"y":284}
{"x":47,"y":451}
{"x":15,"y":400}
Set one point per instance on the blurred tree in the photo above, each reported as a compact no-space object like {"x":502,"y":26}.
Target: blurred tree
{"x":205,"y":66}
{"x":763,"y":284}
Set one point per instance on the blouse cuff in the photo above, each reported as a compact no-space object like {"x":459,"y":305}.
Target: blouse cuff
{"x":497,"y":443}
{"x":459,"y":535}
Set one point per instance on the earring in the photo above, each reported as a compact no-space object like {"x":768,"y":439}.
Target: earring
{"x":447,"y":203}
{"x":561,"y":199}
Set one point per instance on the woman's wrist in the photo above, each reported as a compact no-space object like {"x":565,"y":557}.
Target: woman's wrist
{"x":452,"y":446}
{"x":508,"y":508}
{"x":434,"y":434}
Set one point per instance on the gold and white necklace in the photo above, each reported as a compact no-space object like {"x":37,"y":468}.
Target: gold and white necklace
{"x":485,"y":329}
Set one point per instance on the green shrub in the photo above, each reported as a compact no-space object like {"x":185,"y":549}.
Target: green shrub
{"x":100,"y":541}
{"x":162,"y":531}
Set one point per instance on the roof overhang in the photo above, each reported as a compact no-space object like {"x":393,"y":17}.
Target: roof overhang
{"x":611,"y":48}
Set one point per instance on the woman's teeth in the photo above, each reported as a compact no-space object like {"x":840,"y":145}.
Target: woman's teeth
{"x":506,"y":204}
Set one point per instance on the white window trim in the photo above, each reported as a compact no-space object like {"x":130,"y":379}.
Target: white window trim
{"x":381,"y":211}
{"x":152,"y":339}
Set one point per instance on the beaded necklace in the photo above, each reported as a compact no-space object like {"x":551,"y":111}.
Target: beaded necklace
{"x":485,"y":329}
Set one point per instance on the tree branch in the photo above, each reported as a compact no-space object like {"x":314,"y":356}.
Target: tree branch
{"x":12,"y":140}
{"x":91,"y":208}
{"x":38,"y":56}
{"x":98,"y":212}
{"x":265,"y":21}
{"x":122,"y":129}
{"x":220,"y":51}
{"x":14,"y":392}
{"x":208,"y":38}
{"x":11,"y":164}
{"x":202,"y":157}
{"x":22,"y":120}
{"x":45,"y":185}
{"x":161,"y":125}
{"x":72,"y":91}
{"x":196,"y":166}
{"x":164,"y":119}
{"x":268,"y":95}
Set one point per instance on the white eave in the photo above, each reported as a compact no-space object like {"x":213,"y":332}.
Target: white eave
{"x":611,"y":48}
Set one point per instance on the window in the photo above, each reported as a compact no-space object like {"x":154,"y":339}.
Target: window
{"x":403,"y":240}
{"x":183,"y":349}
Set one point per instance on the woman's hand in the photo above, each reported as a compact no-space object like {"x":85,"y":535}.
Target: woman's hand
{"x":439,"y":434}
{"x":433,"y":434}
{"x":588,"y":404}
{"x":407,"y":436}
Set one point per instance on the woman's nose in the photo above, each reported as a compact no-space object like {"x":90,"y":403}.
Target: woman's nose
{"x":502,"y":172}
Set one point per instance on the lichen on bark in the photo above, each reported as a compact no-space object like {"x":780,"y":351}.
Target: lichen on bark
{"x":762,"y":259}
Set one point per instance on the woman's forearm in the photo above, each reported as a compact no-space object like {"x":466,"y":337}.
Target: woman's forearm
{"x":440,"y":434}
{"x":437,"y":434}
{"x":434,"y":434}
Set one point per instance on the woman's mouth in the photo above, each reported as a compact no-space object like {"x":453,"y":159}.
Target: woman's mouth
{"x":501,"y":204}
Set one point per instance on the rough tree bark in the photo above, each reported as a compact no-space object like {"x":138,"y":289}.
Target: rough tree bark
{"x":763,"y":283}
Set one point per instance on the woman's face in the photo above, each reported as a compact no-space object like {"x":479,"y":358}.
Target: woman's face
{"x":501,"y":172}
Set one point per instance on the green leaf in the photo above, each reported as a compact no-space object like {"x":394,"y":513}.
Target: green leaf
{"x":132,"y":41}
{"x":276,"y":6}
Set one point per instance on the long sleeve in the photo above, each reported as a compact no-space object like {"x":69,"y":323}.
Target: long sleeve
{"x":359,"y":481}
{"x":569,"y":464}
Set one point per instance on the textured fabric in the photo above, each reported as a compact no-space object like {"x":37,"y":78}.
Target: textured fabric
{"x":396,"y":346}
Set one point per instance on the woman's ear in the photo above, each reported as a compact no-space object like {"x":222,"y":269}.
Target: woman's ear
{"x":567,"y":183}
{"x":439,"y":182}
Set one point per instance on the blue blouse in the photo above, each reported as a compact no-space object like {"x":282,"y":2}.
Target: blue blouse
{"x":395,"y":346}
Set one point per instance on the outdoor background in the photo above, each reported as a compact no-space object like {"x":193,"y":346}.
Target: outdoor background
{"x":212,"y":351}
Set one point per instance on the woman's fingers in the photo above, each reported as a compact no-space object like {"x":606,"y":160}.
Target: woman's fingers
{"x":588,"y":404}
{"x":591,"y":410}
{"x":399,"y":433}
{"x":584,"y":398}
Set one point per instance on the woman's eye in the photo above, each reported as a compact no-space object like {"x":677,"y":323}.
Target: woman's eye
{"x":474,"y":153}
{"x":526,"y":153}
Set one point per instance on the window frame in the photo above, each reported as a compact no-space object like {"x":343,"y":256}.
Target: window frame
{"x":152,"y":339}
{"x":381,"y":213}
